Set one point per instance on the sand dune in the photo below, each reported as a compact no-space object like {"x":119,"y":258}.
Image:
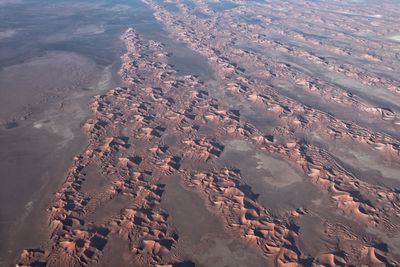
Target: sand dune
{"x":163,"y":124}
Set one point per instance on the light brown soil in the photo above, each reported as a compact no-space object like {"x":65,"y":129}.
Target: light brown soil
{"x":184,"y":170}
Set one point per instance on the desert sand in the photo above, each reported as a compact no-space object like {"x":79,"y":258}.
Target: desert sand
{"x":280,"y":148}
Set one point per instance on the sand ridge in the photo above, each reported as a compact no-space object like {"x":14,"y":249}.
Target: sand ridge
{"x":127,"y":143}
{"x":164,"y":124}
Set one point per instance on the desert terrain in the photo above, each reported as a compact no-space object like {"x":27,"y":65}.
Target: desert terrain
{"x":234,"y":133}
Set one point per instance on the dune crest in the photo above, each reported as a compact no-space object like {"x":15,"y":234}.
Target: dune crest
{"x":165,"y":124}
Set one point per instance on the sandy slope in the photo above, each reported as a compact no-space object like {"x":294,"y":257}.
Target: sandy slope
{"x":164,"y":125}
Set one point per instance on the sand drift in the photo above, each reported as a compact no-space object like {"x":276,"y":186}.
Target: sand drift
{"x":288,"y":155}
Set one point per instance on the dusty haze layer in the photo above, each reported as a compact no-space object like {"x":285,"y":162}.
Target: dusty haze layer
{"x":247,"y":133}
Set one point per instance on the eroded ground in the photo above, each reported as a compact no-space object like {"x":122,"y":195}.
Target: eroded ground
{"x":286,"y":154}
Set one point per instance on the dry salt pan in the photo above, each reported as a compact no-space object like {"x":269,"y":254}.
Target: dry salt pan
{"x":395,"y":38}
